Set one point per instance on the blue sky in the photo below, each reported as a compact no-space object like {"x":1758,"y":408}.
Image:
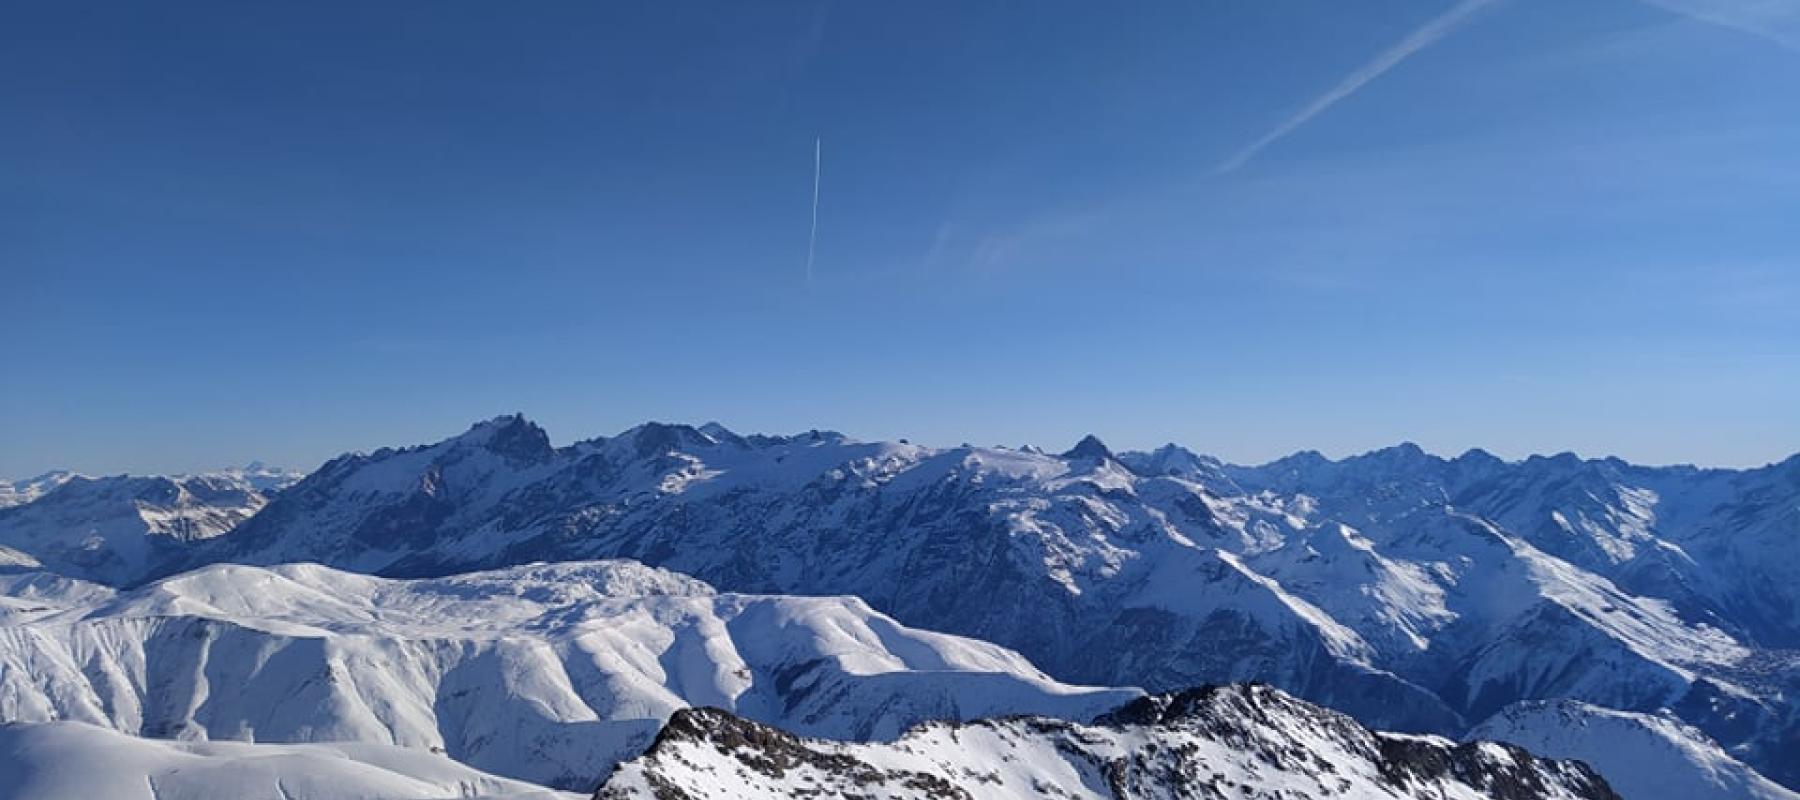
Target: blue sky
{"x":244,"y":230}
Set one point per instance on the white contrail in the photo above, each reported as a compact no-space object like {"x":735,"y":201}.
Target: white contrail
{"x":812,"y":240}
{"x":1425,"y":36}
{"x":1775,"y":20}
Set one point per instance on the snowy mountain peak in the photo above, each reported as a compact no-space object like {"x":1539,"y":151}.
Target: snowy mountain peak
{"x":1206,"y":702}
{"x":1564,"y":460}
{"x":1177,"y":461}
{"x":1478,"y":457}
{"x":653,"y":439}
{"x":512,"y":436}
{"x":257,"y":475}
{"x":720,"y":433}
{"x":1300,"y":466}
{"x":1404,"y":455}
{"x":1090,"y":448}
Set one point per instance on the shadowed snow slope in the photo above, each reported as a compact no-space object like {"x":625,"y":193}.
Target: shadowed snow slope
{"x":1644,"y":756}
{"x":72,"y":761}
{"x":545,"y":673}
{"x":1241,"y":742}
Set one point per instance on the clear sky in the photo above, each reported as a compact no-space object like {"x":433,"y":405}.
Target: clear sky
{"x":242,"y":230}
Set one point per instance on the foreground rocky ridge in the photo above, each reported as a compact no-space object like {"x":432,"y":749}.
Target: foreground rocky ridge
{"x":1644,"y":756}
{"x":1242,"y":741}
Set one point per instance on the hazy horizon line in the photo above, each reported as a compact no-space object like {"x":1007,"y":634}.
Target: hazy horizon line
{"x":1334,"y":455}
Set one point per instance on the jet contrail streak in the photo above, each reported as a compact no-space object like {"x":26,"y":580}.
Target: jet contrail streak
{"x":1419,"y":39}
{"x":812,"y":240}
{"x":1777,"y":21}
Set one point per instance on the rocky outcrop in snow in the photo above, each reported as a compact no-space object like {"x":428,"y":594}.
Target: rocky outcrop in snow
{"x":1645,"y":756}
{"x":1250,"y":742}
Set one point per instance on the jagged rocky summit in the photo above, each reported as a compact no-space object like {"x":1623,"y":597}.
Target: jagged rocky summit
{"x":1242,"y":741}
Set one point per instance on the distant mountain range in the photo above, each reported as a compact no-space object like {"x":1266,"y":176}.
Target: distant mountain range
{"x":1415,"y":592}
{"x":18,"y":493}
{"x":109,"y":529}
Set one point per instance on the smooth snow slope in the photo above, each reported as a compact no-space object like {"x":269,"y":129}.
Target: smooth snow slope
{"x":547,"y":673}
{"x":73,"y":761}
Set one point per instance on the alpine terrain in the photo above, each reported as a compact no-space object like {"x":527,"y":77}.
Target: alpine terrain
{"x":1645,"y":756}
{"x":107,"y":529}
{"x":546,"y":673}
{"x":1249,"y":742}
{"x":1415,"y":592}
{"x":527,"y":608}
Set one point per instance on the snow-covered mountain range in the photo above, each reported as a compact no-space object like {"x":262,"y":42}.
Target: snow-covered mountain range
{"x":1418,"y":593}
{"x":108,"y":529}
{"x":18,"y":493}
{"x":1250,"y":742}
{"x":546,"y":673}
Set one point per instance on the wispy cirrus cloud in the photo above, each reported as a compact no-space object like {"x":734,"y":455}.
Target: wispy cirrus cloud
{"x":1422,"y":37}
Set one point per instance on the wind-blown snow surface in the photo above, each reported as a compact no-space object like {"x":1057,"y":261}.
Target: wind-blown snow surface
{"x":1643,"y":756}
{"x":73,"y":761}
{"x":111,"y":529}
{"x":546,"y":673}
{"x":1415,"y":592}
{"x":1249,"y":742}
